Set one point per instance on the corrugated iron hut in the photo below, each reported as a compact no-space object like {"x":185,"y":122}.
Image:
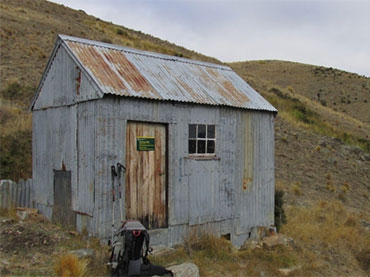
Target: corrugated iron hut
{"x":197,"y":142}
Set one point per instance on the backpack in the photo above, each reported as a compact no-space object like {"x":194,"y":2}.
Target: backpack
{"x":130,"y":250}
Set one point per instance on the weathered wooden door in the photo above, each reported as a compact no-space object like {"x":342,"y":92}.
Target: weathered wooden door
{"x":62,"y":209}
{"x":146,"y":182}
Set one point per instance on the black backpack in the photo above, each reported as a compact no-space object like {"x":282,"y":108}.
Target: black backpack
{"x":129,"y":254}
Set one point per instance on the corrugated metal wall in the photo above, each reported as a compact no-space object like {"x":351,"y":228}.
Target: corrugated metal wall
{"x":54,"y":147}
{"x":257,"y":200}
{"x":14,"y":194}
{"x":109,"y":149}
{"x":200,"y":191}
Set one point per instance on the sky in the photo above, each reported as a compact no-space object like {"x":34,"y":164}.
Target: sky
{"x":331,"y":33}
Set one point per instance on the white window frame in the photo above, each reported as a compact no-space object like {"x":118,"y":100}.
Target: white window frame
{"x":206,"y":139}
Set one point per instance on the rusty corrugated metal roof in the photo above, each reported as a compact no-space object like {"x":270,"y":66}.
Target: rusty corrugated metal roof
{"x":132,"y":73}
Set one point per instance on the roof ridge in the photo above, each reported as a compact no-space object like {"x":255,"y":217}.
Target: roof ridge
{"x":135,"y":51}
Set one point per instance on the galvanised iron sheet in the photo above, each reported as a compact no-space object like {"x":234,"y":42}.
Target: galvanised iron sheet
{"x":132,"y":73}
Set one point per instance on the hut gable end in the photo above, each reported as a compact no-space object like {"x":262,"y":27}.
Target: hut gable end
{"x":65,"y":82}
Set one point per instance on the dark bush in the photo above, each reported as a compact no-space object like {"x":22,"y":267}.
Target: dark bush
{"x":363,"y":257}
{"x":280,"y":217}
{"x":16,"y":92}
{"x":16,"y":156}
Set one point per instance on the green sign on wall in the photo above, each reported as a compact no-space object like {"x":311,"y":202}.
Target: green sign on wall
{"x":145,"y":143}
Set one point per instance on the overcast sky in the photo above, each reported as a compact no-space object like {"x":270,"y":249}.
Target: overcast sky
{"x":332,"y":33}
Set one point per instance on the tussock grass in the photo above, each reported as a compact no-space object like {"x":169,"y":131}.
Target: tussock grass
{"x":310,"y":224}
{"x":13,"y":119}
{"x":96,"y":264}
{"x":324,"y":233}
{"x":9,"y":212}
{"x":216,"y":256}
{"x":69,"y":265}
{"x":327,"y":230}
{"x":208,"y":246}
{"x":297,"y":189}
{"x":267,"y":262}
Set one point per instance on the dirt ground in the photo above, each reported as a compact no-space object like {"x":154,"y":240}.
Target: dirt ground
{"x":34,"y":246}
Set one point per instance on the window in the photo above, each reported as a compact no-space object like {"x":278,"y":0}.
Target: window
{"x":202,"y":139}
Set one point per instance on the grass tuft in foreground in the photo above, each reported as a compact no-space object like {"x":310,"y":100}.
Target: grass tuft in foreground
{"x":69,"y":265}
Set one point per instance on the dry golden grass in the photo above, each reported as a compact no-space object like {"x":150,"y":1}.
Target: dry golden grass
{"x":297,"y":188}
{"x":323,"y":233}
{"x":69,"y":265}
{"x":326,"y":231}
{"x":13,"y":119}
{"x":10,"y":213}
{"x":216,"y":256}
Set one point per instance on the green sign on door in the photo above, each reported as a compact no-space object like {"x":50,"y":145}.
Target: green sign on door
{"x":145,"y":143}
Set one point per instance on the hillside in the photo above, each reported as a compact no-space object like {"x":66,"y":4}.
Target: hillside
{"x":322,"y":136}
{"x":339,"y":90}
{"x":28,"y":31}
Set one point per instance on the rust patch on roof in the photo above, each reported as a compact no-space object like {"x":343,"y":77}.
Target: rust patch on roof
{"x":127,"y":70}
{"x":93,"y":60}
{"x":213,"y":72}
{"x":111,"y":69}
{"x":226,"y":89}
{"x":233,"y":93}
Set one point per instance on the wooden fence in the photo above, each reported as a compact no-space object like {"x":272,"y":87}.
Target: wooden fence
{"x":14,"y":194}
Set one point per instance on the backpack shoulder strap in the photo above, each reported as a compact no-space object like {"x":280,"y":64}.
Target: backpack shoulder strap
{"x":147,"y":239}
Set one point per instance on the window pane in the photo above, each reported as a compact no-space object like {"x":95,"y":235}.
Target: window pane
{"x":201,"y":131}
{"x":211,"y":131}
{"x":192,"y":146}
{"x":192,"y":131}
{"x":201,"y":147}
{"x":210,"y":146}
